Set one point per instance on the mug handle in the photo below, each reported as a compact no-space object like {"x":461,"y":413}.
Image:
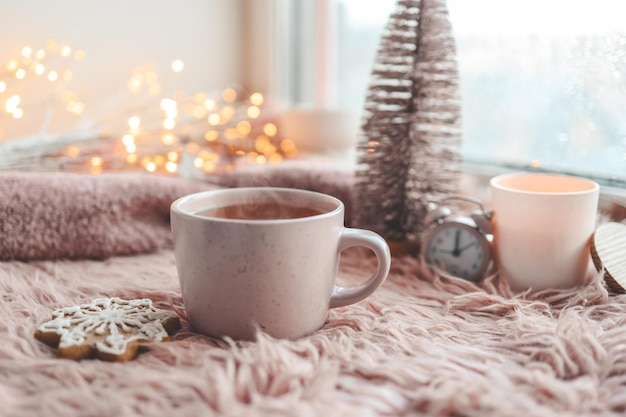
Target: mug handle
{"x":343,"y":296}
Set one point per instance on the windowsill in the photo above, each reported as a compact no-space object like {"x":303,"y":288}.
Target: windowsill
{"x":476,"y":179}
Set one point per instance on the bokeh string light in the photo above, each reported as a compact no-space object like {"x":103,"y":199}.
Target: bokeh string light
{"x":49,"y":62}
{"x":201,"y":134}
{"x":197,"y":134}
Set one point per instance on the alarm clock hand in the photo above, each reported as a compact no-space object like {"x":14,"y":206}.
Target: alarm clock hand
{"x":469,"y":245}
{"x":456,"y":252}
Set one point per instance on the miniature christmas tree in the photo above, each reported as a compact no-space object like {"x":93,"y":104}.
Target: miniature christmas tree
{"x":409,"y":150}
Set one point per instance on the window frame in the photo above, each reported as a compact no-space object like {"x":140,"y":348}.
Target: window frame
{"x":289,"y":85}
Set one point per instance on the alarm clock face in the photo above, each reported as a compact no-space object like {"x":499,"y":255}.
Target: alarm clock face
{"x":457,"y":249}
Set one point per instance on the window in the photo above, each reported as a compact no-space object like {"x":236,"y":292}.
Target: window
{"x":543,"y":84}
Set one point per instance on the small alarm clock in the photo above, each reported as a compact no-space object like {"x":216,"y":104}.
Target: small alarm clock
{"x":456,"y":244}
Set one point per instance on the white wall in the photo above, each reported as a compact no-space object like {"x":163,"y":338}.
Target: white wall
{"x":117,"y":36}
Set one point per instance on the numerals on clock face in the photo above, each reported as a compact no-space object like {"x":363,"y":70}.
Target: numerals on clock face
{"x":457,"y":250}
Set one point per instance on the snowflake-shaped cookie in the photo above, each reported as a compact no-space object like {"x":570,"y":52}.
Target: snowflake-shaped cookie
{"x":109,"y":328}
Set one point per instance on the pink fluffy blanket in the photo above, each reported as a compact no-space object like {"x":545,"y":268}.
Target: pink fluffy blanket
{"x":422,"y":345}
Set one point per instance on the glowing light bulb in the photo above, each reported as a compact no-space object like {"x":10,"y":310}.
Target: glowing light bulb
{"x":12,"y":65}
{"x":288,"y":146}
{"x":66,"y":51}
{"x":171,"y":114}
{"x":134,"y":122}
{"x":210,"y":104}
{"x":52,"y":46}
{"x":3,"y":86}
{"x":168,"y":139}
{"x":229,"y":95}
{"x":214,"y":119}
{"x":231,"y":134}
{"x":169,"y":124}
{"x":227,"y":112}
{"x":27,"y":51}
{"x":131,"y":148}
{"x":200,"y":97}
{"x":276,"y":158}
{"x":256,"y":99}
{"x":18,"y":113}
{"x":263,"y":145}
{"x":12,"y":103}
{"x":211,"y":135}
{"x":20,"y":74}
{"x":97,"y":161}
{"x":134,"y":85}
{"x":40,"y":54}
{"x":72,"y":151}
{"x":159,"y":160}
{"x":206,"y":155}
{"x":173,"y":156}
{"x":244,"y":127}
{"x":75,"y":107}
{"x":167,"y":104}
{"x":40,"y":69}
{"x":128,"y":139}
{"x":253,"y":112}
{"x":270,"y":129}
{"x":171,"y":166}
{"x":151,"y":166}
{"x":209,"y":166}
{"x":53,"y":76}
{"x":178,"y":65}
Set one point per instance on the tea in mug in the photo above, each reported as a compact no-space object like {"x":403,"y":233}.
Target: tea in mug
{"x":260,"y":211}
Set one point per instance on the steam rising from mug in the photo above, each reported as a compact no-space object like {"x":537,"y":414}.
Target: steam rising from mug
{"x":267,"y":206}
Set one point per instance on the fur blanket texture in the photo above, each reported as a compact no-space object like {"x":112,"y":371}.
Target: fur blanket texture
{"x":422,"y":345}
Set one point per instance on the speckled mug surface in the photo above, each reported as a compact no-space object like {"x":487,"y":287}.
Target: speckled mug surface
{"x":277,"y":275}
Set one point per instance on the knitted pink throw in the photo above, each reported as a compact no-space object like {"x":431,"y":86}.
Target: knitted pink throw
{"x":61,"y":215}
{"x":421,"y":345}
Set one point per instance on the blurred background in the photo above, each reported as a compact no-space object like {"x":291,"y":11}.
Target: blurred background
{"x":205,"y":84}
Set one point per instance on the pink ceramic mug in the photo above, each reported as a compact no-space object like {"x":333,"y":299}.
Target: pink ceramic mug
{"x":543,"y":225}
{"x":265,"y":258}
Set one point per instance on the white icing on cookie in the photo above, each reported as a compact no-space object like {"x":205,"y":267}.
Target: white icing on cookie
{"x":119,"y":321}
